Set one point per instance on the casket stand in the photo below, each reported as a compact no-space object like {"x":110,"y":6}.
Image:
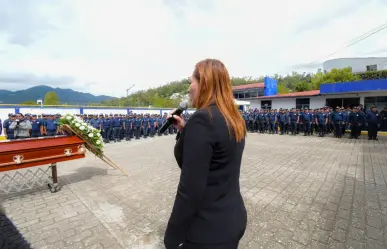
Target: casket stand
{"x":25,"y":153}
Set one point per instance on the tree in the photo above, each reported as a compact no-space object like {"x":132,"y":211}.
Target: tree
{"x":51,"y":98}
{"x":29,"y":102}
{"x":282,"y":89}
{"x":335,"y":75}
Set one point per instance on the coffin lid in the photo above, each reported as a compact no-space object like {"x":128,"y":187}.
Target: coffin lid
{"x":38,"y":143}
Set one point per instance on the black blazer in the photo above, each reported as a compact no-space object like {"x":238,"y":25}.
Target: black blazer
{"x":208,"y":209}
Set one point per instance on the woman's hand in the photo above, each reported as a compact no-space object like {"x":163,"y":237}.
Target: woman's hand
{"x":178,"y":121}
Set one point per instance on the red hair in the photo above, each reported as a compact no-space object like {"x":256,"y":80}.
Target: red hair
{"x":215,"y":86}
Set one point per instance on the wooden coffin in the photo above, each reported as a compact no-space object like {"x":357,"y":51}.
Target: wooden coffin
{"x":24,"y":153}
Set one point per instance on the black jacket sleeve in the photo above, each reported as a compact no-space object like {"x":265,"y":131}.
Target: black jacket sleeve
{"x":197,"y":154}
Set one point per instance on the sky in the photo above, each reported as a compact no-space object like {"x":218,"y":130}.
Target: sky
{"x":105,"y":47}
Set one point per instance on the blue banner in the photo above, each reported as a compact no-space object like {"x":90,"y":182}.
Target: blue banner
{"x":271,"y":86}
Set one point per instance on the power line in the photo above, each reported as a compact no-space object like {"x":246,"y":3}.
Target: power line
{"x":349,"y":44}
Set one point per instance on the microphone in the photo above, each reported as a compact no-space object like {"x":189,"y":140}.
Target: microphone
{"x":180,"y":109}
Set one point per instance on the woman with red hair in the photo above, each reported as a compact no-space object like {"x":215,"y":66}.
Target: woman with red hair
{"x":209,"y":212}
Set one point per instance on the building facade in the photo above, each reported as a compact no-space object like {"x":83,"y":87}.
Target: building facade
{"x":367,"y":93}
{"x":358,"y":65}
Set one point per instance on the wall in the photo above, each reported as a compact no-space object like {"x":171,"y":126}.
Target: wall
{"x":358,"y":65}
{"x":4,"y":110}
{"x":354,"y":87}
{"x":275,"y":103}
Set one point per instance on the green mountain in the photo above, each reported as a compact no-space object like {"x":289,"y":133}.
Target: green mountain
{"x":66,"y":96}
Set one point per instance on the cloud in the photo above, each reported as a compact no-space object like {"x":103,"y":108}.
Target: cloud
{"x":103,"y":47}
{"x":16,"y":81}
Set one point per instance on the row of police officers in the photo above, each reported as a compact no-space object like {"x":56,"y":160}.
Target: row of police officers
{"x":114,"y":127}
{"x":322,"y":121}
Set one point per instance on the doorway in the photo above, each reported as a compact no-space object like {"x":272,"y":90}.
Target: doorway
{"x":266,"y":104}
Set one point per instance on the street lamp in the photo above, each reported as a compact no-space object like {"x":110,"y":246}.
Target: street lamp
{"x":127,"y":90}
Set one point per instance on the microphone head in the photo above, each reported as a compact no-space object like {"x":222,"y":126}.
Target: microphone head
{"x":183,"y":106}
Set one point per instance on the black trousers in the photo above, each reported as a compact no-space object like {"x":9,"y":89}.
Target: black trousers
{"x":321,"y":129}
{"x":282,"y":127}
{"x":337,"y":129}
{"x":294,"y":127}
{"x":306,"y":128}
{"x":355,"y":130}
{"x":372,"y":130}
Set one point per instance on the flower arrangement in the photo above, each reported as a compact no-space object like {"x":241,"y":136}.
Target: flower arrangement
{"x":87,"y":132}
{"x":74,"y":125}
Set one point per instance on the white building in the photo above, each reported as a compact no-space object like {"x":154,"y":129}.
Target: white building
{"x":313,"y":100}
{"x":358,"y":65}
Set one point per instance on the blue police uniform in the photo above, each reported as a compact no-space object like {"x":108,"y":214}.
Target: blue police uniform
{"x":10,"y":133}
{"x":321,"y":121}
{"x":271,"y":120}
{"x":128,"y":128}
{"x":36,"y":128}
{"x":107,"y":129}
{"x":282,"y":122}
{"x":145,"y":126}
{"x":137,"y":123}
{"x":159,"y":124}
{"x":373,"y":121}
{"x":355,"y":120}
{"x":338,"y":121}
{"x":293,"y":118}
{"x":51,"y":127}
{"x":116,"y":124}
{"x":306,"y":119}
{"x":152,"y":126}
{"x":262,"y":122}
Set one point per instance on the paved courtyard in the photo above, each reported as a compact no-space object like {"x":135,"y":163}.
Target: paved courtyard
{"x":300,"y":192}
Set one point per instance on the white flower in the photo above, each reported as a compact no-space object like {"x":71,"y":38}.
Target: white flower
{"x":77,"y":124}
{"x":98,"y":142}
{"x":91,"y":135}
{"x":99,"y":134}
{"x":69,"y":117}
{"x":82,"y":127}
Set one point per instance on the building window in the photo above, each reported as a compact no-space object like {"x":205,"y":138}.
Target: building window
{"x":302,"y":103}
{"x":380,"y":102}
{"x":372,"y":67}
{"x":261,"y":92}
{"x":266,"y":104}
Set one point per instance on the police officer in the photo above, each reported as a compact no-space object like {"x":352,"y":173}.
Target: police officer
{"x":262,"y":121}
{"x":51,"y":126}
{"x":128,"y":124}
{"x":282,"y":121}
{"x":272,"y":119}
{"x":373,"y":121}
{"x":307,"y":119}
{"x":137,"y":122}
{"x":293,"y":120}
{"x":152,"y":125}
{"x":8,"y":132}
{"x":146,"y":126}
{"x":321,"y":120}
{"x":338,"y":120}
{"x":116,"y":124}
{"x":383,"y":117}
{"x":36,"y":127}
{"x":354,"y":121}
{"x":107,"y":128}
